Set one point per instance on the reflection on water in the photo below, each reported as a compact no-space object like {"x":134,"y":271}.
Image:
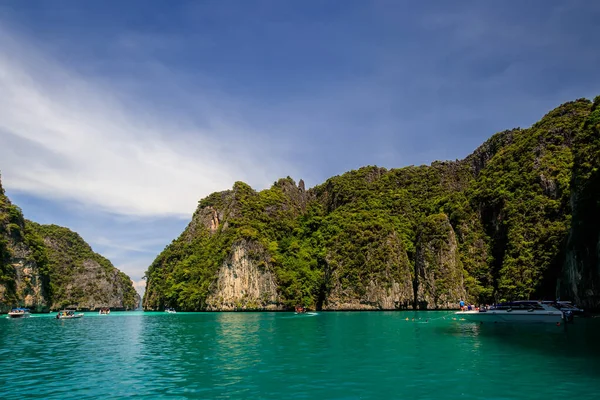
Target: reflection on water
{"x":280,"y":355}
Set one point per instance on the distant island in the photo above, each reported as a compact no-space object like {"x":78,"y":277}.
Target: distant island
{"x":48,"y":267}
{"x":517,"y":219}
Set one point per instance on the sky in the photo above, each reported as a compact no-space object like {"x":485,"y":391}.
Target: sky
{"x":116,"y":117}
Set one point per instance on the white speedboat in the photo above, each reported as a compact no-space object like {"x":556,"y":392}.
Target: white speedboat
{"x":525,"y":311}
{"x":170,"y":310}
{"x":19,"y":313}
{"x":565,"y":306}
{"x":68,"y":314}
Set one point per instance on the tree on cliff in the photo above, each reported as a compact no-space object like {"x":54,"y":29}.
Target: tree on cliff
{"x":358,"y":240}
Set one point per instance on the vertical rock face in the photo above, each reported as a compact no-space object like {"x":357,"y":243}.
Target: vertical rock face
{"x":581,"y":271}
{"x":499,"y":226}
{"x":22,"y":283}
{"x":387,"y":289}
{"x":439,"y":276}
{"x":81,"y":278}
{"x":27,"y":288}
{"x":28,"y":279}
{"x":47,"y":266}
{"x":484,"y":153}
{"x":211,"y":219}
{"x":244,"y":281}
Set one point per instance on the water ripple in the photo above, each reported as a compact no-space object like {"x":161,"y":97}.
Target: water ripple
{"x":278,"y":355}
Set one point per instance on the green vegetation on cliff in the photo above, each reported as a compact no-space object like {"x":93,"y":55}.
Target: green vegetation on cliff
{"x":79,"y":276}
{"x":492,"y":226}
{"x":9,"y":218}
{"x":24,"y":265}
{"x":581,"y":276}
{"x":523,"y":194}
{"x":47,"y":266}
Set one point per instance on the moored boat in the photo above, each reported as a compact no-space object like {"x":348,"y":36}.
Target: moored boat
{"x":525,"y":311}
{"x":170,"y":310}
{"x":68,"y":314}
{"x":104,"y":311}
{"x":568,"y":309}
{"x":565,"y":306}
{"x":19,"y":313}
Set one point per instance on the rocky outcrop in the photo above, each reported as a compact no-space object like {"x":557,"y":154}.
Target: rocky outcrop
{"x":387,"y":295}
{"x":581,"y":270}
{"x":211,"y":215}
{"x":211,"y":219}
{"x":438,"y":270}
{"x":244,"y":281}
{"x":22,"y":260}
{"x":45,"y":267}
{"x":81,"y":278}
{"x":479,"y":159}
{"x":29,"y":281}
{"x":495,"y":225}
{"x":389,"y":289}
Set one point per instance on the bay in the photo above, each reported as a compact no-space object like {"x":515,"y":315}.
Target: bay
{"x":328,"y":355}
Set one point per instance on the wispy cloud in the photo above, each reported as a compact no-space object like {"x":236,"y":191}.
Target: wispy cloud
{"x":116,"y":125}
{"x":66,"y":137}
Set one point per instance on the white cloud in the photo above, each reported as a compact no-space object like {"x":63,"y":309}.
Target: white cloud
{"x":65,"y":136}
{"x":140,"y":286}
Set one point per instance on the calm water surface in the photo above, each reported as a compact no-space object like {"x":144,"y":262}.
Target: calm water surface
{"x":283,"y":356}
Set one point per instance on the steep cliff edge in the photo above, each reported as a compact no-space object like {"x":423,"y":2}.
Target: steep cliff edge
{"x":81,"y":278}
{"x":438,"y":269}
{"x":244,"y":281}
{"x":507,"y":222}
{"x":225,"y":258}
{"x":581,"y":272}
{"x":386,"y":282}
{"x":45,"y":267}
{"x":24,"y":277}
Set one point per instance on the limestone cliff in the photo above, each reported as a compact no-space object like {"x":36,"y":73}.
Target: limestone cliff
{"x":30,"y":288}
{"x":439,"y":273}
{"x":388,"y":289}
{"x":504,"y":223}
{"x":49,"y":267}
{"x":480,"y":158}
{"x":220,"y":259}
{"x":81,"y":278}
{"x":23,"y":263}
{"x":581,"y":272}
{"x":244,"y":281}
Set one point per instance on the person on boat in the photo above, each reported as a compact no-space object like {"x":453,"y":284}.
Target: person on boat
{"x":462,"y":305}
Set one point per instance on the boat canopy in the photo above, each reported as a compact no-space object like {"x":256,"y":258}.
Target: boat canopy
{"x":521,"y":304}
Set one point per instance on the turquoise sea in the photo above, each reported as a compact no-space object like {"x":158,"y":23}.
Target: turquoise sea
{"x":335,"y":355}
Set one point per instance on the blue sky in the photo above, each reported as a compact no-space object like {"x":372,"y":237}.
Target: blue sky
{"x":117,"y":117}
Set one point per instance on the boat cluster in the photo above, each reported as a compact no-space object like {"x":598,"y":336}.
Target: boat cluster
{"x":528,"y":311}
{"x":63,"y":314}
{"x":24,"y":313}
